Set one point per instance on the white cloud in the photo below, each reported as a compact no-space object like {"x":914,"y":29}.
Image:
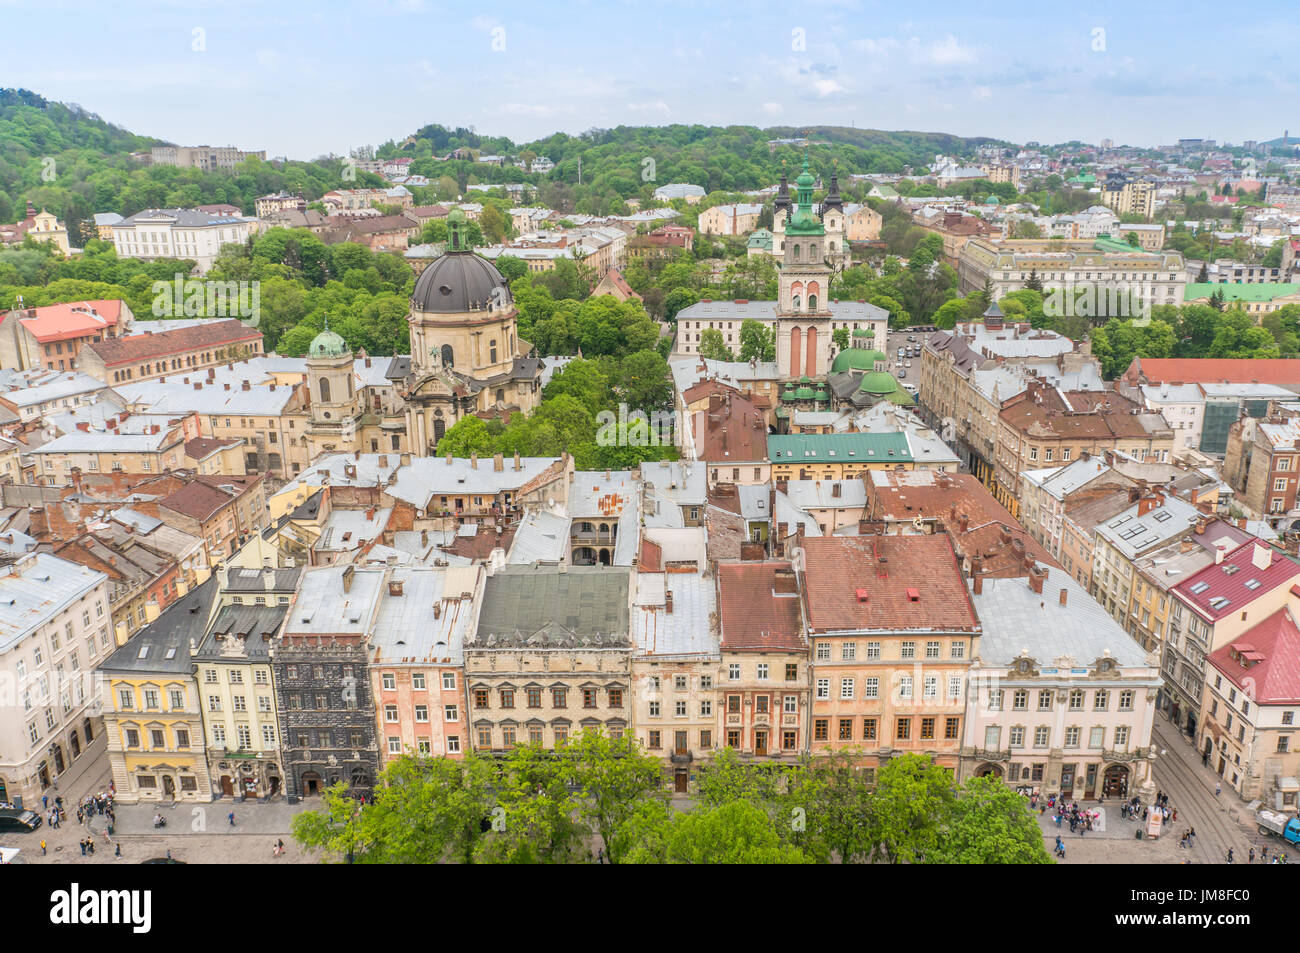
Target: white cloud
{"x":658,"y":106}
{"x":826,"y":87}
{"x":874,"y":47}
{"x":945,"y":52}
{"x":981,"y":93}
{"x":772,"y":109}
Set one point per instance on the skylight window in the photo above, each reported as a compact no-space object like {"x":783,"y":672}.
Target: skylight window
{"x":1231,"y":568}
{"x":1199,"y":587}
{"x":1252,"y":583}
{"x":1219,"y":602}
{"x":1161,"y":517}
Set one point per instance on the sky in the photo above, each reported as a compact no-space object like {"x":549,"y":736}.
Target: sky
{"x":305,"y":79}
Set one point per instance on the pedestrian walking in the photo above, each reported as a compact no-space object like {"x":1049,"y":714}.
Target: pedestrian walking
{"x":82,"y":844}
{"x":1229,"y":855}
{"x":1250,"y":857}
{"x":90,"y":846}
{"x":45,"y":802}
{"x":117,"y":851}
{"x":1218,"y":788}
{"x":232,"y":818}
{"x":169,"y":853}
{"x":43,"y":851}
{"x":1264,"y":856}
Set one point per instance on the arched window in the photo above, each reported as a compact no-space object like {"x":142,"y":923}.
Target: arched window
{"x":447,"y":356}
{"x":812,"y":251}
{"x":349,"y":386}
{"x":492,"y":352}
{"x":812,"y":302}
{"x":796,"y":300}
{"x":324,"y":390}
{"x":796,"y":252}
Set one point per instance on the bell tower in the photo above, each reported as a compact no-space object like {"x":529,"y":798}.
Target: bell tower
{"x":335,"y":405}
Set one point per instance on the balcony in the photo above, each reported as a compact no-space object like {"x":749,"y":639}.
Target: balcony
{"x":681,"y":757}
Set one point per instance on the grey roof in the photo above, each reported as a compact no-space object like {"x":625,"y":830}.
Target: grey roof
{"x":1016,"y":619}
{"x":325,"y":607}
{"x":542,"y":536}
{"x":555,"y":608}
{"x":180,"y":218}
{"x":406,"y":629}
{"x":254,"y":580}
{"x":254,"y":627}
{"x":164,"y":644}
{"x":766,"y":311}
{"x":691,"y":627}
{"x":35,"y":588}
{"x":755,"y":501}
{"x":1132,"y":534}
{"x":683,"y":483}
{"x":459,"y":282}
{"x":819,"y":494}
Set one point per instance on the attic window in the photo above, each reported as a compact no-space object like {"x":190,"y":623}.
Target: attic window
{"x":1231,"y":568}
{"x":861,"y":594}
{"x":171,"y":653}
{"x":1161,"y":517}
{"x":1219,"y":602}
{"x":144,"y":652}
{"x":1199,"y":587}
{"x":913,"y":595}
{"x":1252,"y":583}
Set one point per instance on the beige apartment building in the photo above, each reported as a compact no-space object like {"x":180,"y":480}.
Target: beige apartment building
{"x":676,"y":665}
{"x":550,"y":656}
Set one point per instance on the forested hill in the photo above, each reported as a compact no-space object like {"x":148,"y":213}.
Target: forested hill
{"x":620,"y":163}
{"x":61,"y":157}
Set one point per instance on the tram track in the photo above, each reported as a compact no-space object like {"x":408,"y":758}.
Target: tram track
{"x":1193,"y":796}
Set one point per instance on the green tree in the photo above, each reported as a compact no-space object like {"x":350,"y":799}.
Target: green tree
{"x":733,"y":833}
{"x":990,"y":824}
{"x":612,"y":777}
{"x":714,"y":347}
{"x":757,"y":341}
{"x":912,"y":797}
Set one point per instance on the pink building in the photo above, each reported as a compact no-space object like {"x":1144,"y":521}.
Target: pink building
{"x":417,"y":660}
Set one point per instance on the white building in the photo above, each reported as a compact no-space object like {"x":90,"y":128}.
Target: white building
{"x":1063,"y":699}
{"x":180,"y":233}
{"x":54,"y":629}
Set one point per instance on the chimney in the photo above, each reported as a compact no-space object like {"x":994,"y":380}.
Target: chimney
{"x":1261,"y":556}
{"x":783,"y":581}
{"x":1201,"y":523}
{"x":370,"y":513}
{"x":1147,"y":504}
{"x":244,"y":385}
{"x":517,"y":465}
{"x":668,"y":602}
{"x":835,"y":490}
{"x":437,"y":610}
{"x":198,"y":385}
{"x":1036,"y":576}
{"x":498,"y":462}
{"x":1064,"y":595}
{"x":383,"y":460}
{"x":348,"y":573}
{"x":395,"y":587}
{"x":448,"y":458}
{"x":473,"y":459}
{"x":406,"y":459}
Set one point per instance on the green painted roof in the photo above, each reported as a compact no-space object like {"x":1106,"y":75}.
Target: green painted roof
{"x":838,"y":448}
{"x":1106,"y":243}
{"x":804,"y":393}
{"x":1237,"y":291}
{"x":1087,"y":177}
{"x":327,"y":344}
{"x":857,"y":359}
{"x":878,"y":382}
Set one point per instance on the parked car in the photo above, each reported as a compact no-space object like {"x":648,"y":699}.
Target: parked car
{"x":19,"y":821}
{"x":902,"y":374}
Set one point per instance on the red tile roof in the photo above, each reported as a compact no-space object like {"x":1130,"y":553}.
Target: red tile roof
{"x":752,"y":615}
{"x":75,"y":319}
{"x":887,"y":568}
{"x":1282,"y":372}
{"x":1264,"y":661}
{"x":730,"y":430}
{"x":1228,"y":580}
{"x":145,"y":347}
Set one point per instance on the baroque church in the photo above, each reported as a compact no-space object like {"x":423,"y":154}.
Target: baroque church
{"x":465,"y":358}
